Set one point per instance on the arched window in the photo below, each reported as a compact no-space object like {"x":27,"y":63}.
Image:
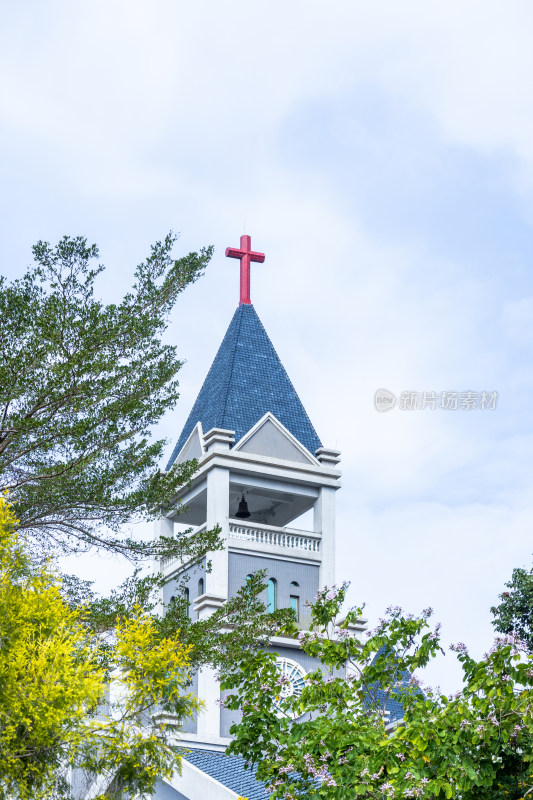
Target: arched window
{"x":187,"y":600}
{"x":295,"y":599}
{"x":271,"y":595}
{"x":295,"y":605}
{"x":200,"y":587}
{"x":250,"y":600}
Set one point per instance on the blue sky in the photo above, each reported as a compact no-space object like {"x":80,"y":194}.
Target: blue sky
{"x":381,"y":155}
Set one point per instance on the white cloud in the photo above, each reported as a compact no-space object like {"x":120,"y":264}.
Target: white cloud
{"x":117,"y":77}
{"x":127,"y":118}
{"x":518,"y":321}
{"x":454,"y":559}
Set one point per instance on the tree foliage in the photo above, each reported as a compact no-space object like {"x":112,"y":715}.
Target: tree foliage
{"x":514,"y":615}
{"x":47,"y":678}
{"x":240,"y":624}
{"x":475,"y":744}
{"x":55,"y":709}
{"x":102,"y":685}
{"x":81,"y":385}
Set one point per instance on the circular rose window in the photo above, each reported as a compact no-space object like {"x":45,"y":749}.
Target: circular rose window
{"x":291,"y":680}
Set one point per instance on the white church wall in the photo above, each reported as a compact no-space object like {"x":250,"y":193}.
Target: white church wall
{"x":165,"y":792}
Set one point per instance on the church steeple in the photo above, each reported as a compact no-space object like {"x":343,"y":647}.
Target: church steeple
{"x":247,"y":379}
{"x":261,"y":468}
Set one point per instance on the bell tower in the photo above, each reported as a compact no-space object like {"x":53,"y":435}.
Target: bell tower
{"x":262,"y":469}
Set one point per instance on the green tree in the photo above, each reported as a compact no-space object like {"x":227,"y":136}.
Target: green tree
{"x":333,"y":740}
{"x":54,"y":709}
{"x":81,"y":385}
{"x":514,"y":615}
{"x":241,"y":624}
{"x":101,"y":685}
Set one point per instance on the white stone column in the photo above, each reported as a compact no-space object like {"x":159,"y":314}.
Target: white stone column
{"x":208,"y":720}
{"x":216,"y":581}
{"x":324,"y":523}
{"x":162,"y":527}
{"x":216,"y":592}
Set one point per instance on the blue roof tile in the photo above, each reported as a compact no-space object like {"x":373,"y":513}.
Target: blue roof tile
{"x":246,"y":380}
{"x":392,"y":704}
{"x":230,"y":771}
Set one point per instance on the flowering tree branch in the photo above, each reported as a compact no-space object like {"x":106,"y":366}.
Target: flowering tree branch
{"x":342,"y":743}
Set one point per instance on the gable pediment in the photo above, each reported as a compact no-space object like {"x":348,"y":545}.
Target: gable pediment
{"x":270,"y":438}
{"x":193,"y":447}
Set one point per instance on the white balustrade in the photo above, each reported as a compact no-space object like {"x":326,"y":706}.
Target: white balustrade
{"x":262,"y":535}
{"x":275,"y":537}
{"x":166,"y":562}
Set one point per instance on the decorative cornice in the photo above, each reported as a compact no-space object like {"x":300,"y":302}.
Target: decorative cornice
{"x":218,"y":439}
{"x":211,"y":601}
{"x":328,"y":457}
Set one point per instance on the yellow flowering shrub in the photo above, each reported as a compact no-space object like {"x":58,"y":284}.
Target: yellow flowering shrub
{"x":48,"y":680}
{"x":55,"y":710}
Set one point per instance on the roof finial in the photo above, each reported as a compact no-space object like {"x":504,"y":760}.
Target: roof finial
{"x":246,"y":256}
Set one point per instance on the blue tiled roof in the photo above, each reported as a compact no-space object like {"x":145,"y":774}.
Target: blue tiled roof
{"x":228,"y":770}
{"x":393,"y":705}
{"x":246,"y":380}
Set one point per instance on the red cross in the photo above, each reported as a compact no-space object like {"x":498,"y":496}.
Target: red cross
{"x":246,"y":255}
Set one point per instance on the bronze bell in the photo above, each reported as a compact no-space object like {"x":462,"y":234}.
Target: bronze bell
{"x":243,"y":512}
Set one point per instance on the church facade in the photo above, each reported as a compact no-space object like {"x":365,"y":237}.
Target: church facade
{"x":261,"y":466}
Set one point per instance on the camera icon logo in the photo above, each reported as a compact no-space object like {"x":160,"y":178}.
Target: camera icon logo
{"x":384,"y":400}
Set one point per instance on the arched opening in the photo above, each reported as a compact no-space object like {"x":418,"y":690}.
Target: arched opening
{"x":249,"y":600}
{"x":295,"y":600}
{"x":295,"y":606}
{"x":188,"y":601}
{"x":271,"y":595}
{"x":200,"y":587}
